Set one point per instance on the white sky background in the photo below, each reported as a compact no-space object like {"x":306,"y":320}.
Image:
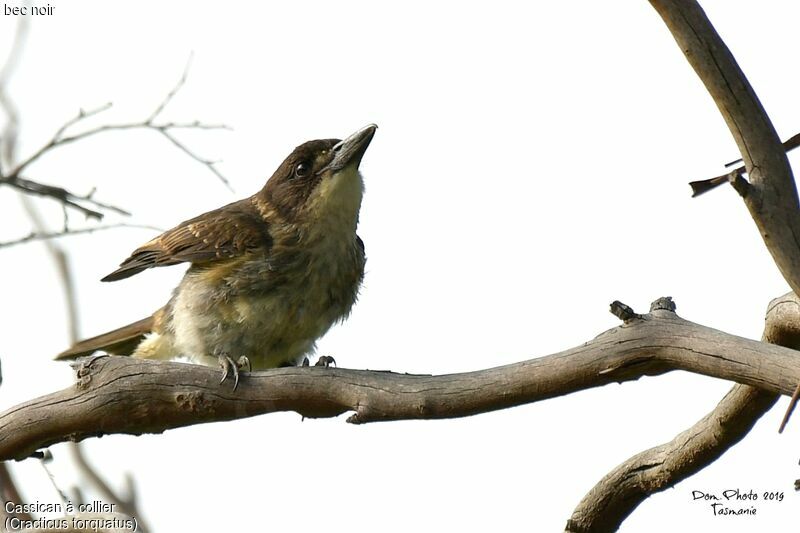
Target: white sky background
{"x":530,"y":167}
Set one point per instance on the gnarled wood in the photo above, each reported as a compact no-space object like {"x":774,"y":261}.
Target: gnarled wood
{"x":618,"y":494}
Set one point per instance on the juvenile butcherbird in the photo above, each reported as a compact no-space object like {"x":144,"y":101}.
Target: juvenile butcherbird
{"x":268,"y":275}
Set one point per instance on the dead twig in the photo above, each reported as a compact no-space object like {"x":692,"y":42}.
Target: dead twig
{"x":736,"y":175}
{"x":164,"y":128}
{"x":67,"y":198}
{"x":41,"y":236}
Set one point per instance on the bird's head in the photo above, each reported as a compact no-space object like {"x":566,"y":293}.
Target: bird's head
{"x":320,"y":180}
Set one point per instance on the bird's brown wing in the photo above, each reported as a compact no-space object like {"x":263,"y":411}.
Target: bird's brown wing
{"x":226,"y":232}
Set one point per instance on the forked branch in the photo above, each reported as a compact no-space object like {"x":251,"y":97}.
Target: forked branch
{"x":618,"y":494}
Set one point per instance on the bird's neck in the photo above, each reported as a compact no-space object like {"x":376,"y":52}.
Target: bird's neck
{"x":336,"y":201}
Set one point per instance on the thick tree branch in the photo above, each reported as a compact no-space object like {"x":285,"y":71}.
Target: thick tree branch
{"x":772,"y":200}
{"x":125,"y":395}
{"x":771,"y":195}
{"x":622,"y":490}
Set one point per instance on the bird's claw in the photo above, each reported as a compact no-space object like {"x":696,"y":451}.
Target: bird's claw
{"x":244,"y":361}
{"x":229,"y":365}
{"x":326,"y":361}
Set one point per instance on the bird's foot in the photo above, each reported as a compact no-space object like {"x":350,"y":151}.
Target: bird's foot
{"x":244,"y":361}
{"x":229,"y":365}
{"x":324,"y":360}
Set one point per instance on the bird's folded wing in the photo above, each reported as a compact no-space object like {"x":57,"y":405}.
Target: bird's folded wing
{"x":226,"y":232}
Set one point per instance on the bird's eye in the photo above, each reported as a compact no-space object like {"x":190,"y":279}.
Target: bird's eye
{"x":302,"y":170}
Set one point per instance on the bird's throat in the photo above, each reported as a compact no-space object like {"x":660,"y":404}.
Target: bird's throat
{"x":336,"y":201}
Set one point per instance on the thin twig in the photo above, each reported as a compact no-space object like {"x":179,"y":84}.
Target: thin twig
{"x":788,"y":145}
{"x":703,"y":186}
{"x":173,"y":92}
{"x":64,"y":196}
{"x":60,"y":139}
{"x":82,"y":115}
{"x":41,"y":236}
{"x":207,"y":162}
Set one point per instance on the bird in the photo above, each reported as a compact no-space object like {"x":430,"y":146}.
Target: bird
{"x":268,"y":275}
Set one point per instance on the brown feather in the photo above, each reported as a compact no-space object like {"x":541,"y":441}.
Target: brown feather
{"x":227,"y":232}
{"x":122,"y":341}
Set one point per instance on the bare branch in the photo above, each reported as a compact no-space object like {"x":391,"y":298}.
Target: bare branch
{"x":126,"y":395}
{"x":619,"y":493}
{"x":174,"y":90}
{"x":207,"y":162}
{"x":773,"y":203}
{"x":8,"y":140}
{"x":82,"y":115}
{"x":9,"y":493}
{"x":41,"y":236}
{"x":771,"y":196}
{"x":735,"y":176}
{"x":15,"y":53}
{"x":64,"y":196}
{"x":788,"y":145}
{"x":60,"y":139}
{"x":125,"y":505}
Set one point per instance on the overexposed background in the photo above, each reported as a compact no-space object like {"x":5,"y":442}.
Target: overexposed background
{"x":530,"y":167}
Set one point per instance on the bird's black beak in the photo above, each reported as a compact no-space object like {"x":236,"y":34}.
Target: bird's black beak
{"x":351,"y":150}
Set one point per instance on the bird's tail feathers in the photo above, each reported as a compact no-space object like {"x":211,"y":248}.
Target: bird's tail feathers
{"x":122,"y":341}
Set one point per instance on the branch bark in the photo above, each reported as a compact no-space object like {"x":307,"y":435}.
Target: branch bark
{"x":617,"y":495}
{"x":125,"y":395}
{"x":772,"y":200}
{"x":771,"y":196}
